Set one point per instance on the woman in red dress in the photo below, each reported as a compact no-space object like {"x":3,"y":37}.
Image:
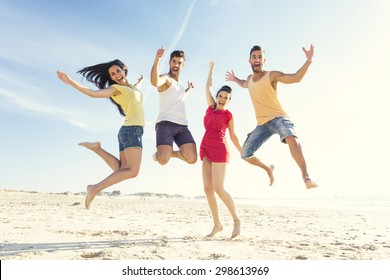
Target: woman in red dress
{"x":214,"y":153}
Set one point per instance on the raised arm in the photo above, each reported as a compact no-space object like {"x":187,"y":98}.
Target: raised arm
{"x":233,"y":136}
{"x":277,"y":76}
{"x":189,"y":88}
{"x":209,"y":86}
{"x":102,"y":93}
{"x":155,"y":78}
{"x":140,"y":81}
{"x":231,"y":77}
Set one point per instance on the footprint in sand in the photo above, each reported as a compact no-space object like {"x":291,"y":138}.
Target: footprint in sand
{"x":215,"y":256}
{"x":92,"y":255}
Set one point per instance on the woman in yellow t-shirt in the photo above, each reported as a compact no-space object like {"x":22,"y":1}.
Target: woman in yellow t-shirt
{"x":111,"y":79}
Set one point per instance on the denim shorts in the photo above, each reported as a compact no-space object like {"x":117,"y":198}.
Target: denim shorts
{"x":130,"y":137}
{"x":167,"y":132}
{"x":280,"y":125}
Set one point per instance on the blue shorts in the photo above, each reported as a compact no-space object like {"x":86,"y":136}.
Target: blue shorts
{"x":167,"y":132}
{"x":130,"y":137}
{"x":280,"y":125}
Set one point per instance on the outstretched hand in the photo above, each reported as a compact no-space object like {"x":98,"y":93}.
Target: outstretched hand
{"x":139,"y":81}
{"x":160,"y":52}
{"x":230,"y":76}
{"x":190,"y":87}
{"x":212,"y":65}
{"x":64,"y":77}
{"x":309,"y":53}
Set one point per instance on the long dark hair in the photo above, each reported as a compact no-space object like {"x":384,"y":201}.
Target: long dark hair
{"x":99,"y":75}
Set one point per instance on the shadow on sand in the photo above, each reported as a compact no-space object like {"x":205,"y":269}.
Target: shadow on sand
{"x":14,"y":249}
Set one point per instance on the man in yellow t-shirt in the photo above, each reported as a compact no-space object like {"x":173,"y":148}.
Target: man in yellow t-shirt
{"x":270,"y":116}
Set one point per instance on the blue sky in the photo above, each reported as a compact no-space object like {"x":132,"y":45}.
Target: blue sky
{"x":339,"y":108}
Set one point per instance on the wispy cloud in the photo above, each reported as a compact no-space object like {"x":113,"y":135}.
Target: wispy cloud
{"x":35,"y":97}
{"x":46,"y":42}
{"x":29,"y":61}
{"x":72,"y":117}
{"x":176,"y":39}
{"x":28,"y":104}
{"x":183,"y":27}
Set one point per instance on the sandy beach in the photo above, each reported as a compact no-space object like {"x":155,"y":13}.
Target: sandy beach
{"x":43,"y":226}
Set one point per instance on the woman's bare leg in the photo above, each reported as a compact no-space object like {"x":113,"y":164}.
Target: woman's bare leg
{"x":130,"y":165}
{"x":210,"y":194}
{"x":111,"y":160}
{"x":218,"y":176}
{"x":236,"y":229}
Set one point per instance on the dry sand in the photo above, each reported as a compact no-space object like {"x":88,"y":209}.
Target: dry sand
{"x":57,"y":227}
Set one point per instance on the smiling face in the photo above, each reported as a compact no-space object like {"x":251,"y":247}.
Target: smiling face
{"x":118,"y":75}
{"x":222,"y":100}
{"x":175,"y":66}
{"x":257,"y":61}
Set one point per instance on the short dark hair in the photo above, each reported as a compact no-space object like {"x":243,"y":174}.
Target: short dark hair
{"x":178,"y":53}
{"x":256,"y":48}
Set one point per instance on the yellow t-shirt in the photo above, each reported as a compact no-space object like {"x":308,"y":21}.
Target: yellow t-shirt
{"x":130,"y":99}
{"x":265,"y":100}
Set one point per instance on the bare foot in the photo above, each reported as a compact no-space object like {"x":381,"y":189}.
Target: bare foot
{"x":310,"y":184}
{"x":237,"y":229}
{"x":270,"y":173}
{"x":89,"y":196}
{"x":178,"y":154}
{"x":216,"y":229}
{"x":90,"y":145}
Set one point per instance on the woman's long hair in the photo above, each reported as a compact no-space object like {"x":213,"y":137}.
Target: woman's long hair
{"x":100,"y":76}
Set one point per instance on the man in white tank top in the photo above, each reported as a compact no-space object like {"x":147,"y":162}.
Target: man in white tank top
{"x":271,"y":118}
{"x":172,"y":124}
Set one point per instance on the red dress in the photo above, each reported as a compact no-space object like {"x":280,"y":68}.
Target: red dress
{"x":214,"y":146}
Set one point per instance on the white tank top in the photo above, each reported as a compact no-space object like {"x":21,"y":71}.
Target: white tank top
{"x":172,"y":103}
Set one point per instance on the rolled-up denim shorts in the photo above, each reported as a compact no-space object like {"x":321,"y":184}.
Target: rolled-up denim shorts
{"x":130,"y":137}
{"x":280,"y":125}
